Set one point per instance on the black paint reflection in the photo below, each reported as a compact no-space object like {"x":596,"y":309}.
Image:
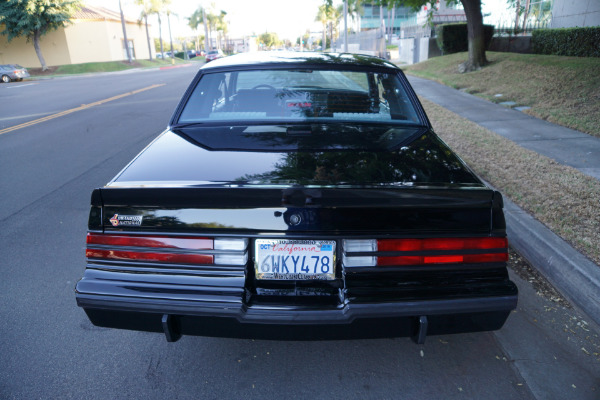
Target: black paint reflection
{"x":341,"y":154}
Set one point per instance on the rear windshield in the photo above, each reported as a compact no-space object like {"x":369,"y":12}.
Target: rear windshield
{"x":300,"y":95}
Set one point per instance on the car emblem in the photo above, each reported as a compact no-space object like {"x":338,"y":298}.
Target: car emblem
{"x":126,"y":220}
{"x":115,"y":220}
{"x":295,"y":219}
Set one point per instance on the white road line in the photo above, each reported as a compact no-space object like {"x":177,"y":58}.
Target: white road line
{"x":20,"y":86}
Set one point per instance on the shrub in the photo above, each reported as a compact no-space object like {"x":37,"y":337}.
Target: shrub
{"x":579,"y":42}
{"x":453,"y":38}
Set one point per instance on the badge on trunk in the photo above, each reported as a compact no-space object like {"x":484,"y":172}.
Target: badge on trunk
{"x":126,"y":220}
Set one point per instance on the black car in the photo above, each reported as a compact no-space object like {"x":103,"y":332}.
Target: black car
{"x":297,"y":196}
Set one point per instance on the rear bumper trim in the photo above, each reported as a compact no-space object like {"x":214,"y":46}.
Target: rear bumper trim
{"x":301,"y":316}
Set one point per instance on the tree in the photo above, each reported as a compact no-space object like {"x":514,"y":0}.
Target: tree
{"x":477,"y":58}
{"x":212,"y":21}
{"x":355,"y":8}
{"x":323,"y":18}
{"x":222,"y":25}
{"x":148,"y":7}
{"x":269,"y":39}
{"x":170,"y":35}
{"x":125,"y":40}
{"x":33,"y":19}
{"x":328,"y":16}
{"x":159,"y":6}
{"x":199,"y":17}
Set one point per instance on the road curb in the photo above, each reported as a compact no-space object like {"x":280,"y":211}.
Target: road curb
{"x":573,"y":274}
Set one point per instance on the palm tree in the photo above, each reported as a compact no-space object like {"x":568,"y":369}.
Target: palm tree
{"x":323,"y":18}
{"x":335,"y":15}
{"x":221,"y":25}
{"x":355,"y":8}
{"x":197,"y":18}
{"x":169,"y":13}
{"x":147,"y":8}
{"x":158,"y":7}
{"x":125,"y":41}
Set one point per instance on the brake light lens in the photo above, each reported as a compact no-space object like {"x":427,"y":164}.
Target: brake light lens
{"x":399,"y":252}
{"x":167,"y":249}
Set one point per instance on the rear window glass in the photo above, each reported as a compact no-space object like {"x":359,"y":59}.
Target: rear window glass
{"x":299,"y":95}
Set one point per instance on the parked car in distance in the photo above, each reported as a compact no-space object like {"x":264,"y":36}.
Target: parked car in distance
{"x":12,"y":72}
{"x":214,"y":55}
{"x":297,"y":196}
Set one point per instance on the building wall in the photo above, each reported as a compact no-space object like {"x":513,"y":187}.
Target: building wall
{"x":53,"y":46}
{"x":81,"y":42}
{"x":370,"y":18}
{"x":100,"y":41}
{"x":138,"y":34}
{"x":575,"y":13}
{"x":89,"y":41}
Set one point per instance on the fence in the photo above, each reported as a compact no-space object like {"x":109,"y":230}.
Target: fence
{"x":508,"y":29}
{"x":415,"y":31}
{"x":371,"y":42}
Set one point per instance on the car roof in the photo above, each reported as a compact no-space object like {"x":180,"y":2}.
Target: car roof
{"x":299,"y":58}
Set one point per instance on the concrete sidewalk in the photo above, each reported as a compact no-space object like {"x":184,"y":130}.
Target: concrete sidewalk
{"x":567,"y":146}
{"x":577,"y":277}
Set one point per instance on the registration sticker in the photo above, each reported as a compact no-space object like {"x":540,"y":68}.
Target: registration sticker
{"x":284,"y":259}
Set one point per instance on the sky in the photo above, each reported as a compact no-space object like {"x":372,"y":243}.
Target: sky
{"x":288,"y":18}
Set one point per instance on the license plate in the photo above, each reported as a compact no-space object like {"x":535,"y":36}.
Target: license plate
{"x":283,"y":259}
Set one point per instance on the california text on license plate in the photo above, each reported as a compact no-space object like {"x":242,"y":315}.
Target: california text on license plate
{"x":294,"y":259}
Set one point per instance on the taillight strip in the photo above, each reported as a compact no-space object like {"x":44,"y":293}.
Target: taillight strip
{"x":167,"y":249}
{"x":441,"y":244}
{"x":449,"y":259}
{"x":173,"y":258}
{"x":426,"y":251}
{"x":165,"y":242}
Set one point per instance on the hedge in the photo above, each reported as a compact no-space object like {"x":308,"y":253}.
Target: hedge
{"x":453,"y":38}
{"x":578,"y":42}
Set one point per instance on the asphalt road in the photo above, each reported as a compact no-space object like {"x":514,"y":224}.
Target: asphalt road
{"x":48,"y":349}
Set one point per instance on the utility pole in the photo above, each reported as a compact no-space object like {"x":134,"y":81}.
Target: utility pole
{"x":126,"y":42}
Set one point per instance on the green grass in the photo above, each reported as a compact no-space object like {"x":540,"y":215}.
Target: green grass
{"x":92,"y":67}
{"x":562,"y":90}
{"x":110,"y":66}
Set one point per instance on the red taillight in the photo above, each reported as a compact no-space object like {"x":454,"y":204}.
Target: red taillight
{"x":165,"y":242}
{"x":150,"y":256}
{"x":424,"y":251}
{"x":167,"y":249}
{"x":441,"y":244}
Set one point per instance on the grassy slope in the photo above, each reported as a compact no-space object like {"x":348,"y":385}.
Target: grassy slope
{"x":561,"y":197}
{"x":563,"y":90}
